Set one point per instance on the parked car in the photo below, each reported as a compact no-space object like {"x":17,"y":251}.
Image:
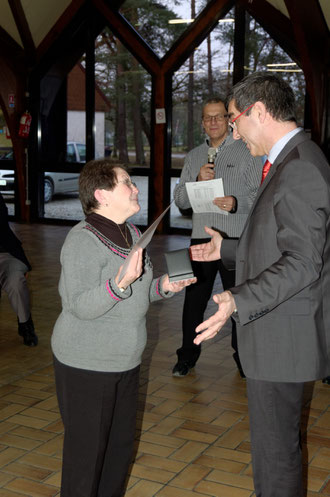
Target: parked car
{"x":53,"y":182}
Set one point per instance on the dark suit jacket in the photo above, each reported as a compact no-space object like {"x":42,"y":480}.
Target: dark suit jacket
{"x":8,"y":240}
{"x":282,"y":261}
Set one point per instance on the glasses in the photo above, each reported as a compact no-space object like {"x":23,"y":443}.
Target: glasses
{"x":216,"y":118}
{"x":128,"y":182}
{"x":232,"y":123}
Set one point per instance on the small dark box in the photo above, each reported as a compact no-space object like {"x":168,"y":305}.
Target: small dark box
{"x":179,"y":265}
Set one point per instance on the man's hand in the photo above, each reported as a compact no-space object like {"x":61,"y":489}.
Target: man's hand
{"x":206,"y":172}
{"x":209,"y":328}
{"x":225,"y":203}
{"x":210,"y":251}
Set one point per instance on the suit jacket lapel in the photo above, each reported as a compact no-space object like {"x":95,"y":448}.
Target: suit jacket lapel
{"x":298,"y":138}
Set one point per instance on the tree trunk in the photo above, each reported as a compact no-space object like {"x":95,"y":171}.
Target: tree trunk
{"x":121,"y":131}
{"x":190,"y":120}
{"x":209,"y":66}
{"x":136,"y":114}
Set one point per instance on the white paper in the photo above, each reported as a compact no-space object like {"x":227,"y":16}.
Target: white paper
{"x":202,"y":193}
{"x":142,"y":242}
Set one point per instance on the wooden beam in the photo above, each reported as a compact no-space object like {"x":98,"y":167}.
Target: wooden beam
{"x":239,"y":44}
{"x":313,"y":42}
{"x":195,"y":33}
{"x":275,"y":23}
{"x":129,"y":37}
{"x":10,"y":82}
{"x":12,"y":52}
{"x":24,"y":30}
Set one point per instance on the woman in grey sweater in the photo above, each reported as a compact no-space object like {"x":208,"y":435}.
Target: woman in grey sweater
{"x":99,"y":337}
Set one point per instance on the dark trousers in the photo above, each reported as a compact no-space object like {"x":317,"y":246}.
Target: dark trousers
{"x":196,"y":299}
{"x":275,"y":417}
{"x":99,"y":415}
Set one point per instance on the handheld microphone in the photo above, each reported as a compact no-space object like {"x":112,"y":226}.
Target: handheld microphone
{"x":211,"y":155}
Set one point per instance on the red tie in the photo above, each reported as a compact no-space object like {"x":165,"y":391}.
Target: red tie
{"x":265,"y":170}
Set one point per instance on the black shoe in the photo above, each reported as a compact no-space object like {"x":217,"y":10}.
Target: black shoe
{"x":181,"y":368}
{"x":326,"y":380}
{"x":26,"y":330}
{"x":238,"y":364}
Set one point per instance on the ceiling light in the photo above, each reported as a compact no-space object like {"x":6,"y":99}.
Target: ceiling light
{"x":282,"y":64}
{"x":226,"y":20}
{"x":190,"y":72}
{"x":180,"y":21}
{"x":284,"y":70}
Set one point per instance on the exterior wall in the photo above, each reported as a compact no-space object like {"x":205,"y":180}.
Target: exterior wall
{"x":77,"y":129}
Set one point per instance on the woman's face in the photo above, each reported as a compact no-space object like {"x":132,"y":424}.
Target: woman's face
{"x":123,"y":199}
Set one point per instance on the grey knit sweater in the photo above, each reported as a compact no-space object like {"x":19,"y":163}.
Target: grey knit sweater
{"x":241,"y":174}
{"x":100,"y":328}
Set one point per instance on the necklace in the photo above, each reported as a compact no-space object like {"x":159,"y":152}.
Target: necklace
{"x":124,"y":235}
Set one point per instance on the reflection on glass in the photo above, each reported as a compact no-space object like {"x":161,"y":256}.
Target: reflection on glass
{"x":7,"y":176}
{"x":76,"y":114}
{"x":126,"y":85}
{"x":152,"y":20}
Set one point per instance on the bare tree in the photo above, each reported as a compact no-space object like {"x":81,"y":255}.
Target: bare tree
{"x":209,"y":66}
{"x":190,"y":127}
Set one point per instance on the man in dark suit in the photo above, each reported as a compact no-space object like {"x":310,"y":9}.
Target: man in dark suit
{"x":13,"y":268}
{"x":281,"y":296}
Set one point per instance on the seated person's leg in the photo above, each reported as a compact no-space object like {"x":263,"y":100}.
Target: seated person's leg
{"x":13,"y":282}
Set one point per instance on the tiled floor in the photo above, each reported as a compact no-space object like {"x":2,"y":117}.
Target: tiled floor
{"x":192,"y":433}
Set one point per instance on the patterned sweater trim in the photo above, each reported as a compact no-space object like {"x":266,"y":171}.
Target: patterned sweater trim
{"x":113,"y":294}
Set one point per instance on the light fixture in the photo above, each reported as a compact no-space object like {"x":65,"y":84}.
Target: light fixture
{"x":282,"y":64}
{"x":180,"y":21}
{"x":226,"y":20}
{"x":284,"y":70}
{"x":190,"y":72}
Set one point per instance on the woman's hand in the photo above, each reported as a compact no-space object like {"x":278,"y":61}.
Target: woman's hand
{"x":133,"y":272}
{"x":176,"y":286}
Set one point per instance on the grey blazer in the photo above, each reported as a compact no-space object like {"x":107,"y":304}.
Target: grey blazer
{"x":282,"y":265}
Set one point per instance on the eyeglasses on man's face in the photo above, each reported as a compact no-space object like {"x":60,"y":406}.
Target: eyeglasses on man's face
{"x":216,"y":118}
{"x":232,"y":123}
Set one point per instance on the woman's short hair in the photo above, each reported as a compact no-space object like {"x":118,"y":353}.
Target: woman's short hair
{"x":96,"y":175}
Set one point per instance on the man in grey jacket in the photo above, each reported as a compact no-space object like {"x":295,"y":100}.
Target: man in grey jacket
{"x":241,"y":175}
{"x":281,"y":297}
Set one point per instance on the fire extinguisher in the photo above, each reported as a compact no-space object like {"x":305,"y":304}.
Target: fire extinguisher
{"x":24,"y":125}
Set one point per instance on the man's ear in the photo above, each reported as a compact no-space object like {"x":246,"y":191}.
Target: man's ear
{"x":99,"y":195}
{"x":260,"y":111}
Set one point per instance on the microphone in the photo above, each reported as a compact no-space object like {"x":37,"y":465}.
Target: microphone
{"x":211,"y":155}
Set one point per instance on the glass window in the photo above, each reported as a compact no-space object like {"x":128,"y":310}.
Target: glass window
{"x":208,"y":72}
{"x":70,"y":153}
{"x":159,"y":23}
{"x":126,"y":86}
{"x":7,"y":173}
